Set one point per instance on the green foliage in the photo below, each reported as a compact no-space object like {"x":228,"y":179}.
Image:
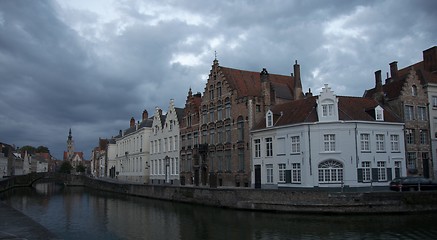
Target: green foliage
{"x":65,"y":167}
{"x":42,"y":149}
{"x":27,"y":148}
{"x":80,"y":168}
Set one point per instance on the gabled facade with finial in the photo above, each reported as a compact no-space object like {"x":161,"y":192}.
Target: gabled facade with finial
{"x":232,"y":102}
{"x":132,"y":151}
{"x":411,"y":93}
{"x":189,"y":138}
{"x":327,"y":141}
{"x":164,"y":146}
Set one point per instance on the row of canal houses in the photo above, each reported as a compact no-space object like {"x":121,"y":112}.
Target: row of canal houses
{"x":257,"y":129}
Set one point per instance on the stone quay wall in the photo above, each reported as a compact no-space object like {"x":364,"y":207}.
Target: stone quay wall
{"x":276,"y":200}
{"x":297,"y":201}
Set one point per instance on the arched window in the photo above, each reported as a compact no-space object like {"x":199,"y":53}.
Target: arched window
{"x":414,"y":90}
{"x":269,"y":119}
{"x":331,"y":171}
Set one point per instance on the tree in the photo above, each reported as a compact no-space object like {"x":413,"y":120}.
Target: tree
{"x":27,"y":148}
{"x":42,"y":149}
{"x":65,"y":167}
{"x":80,"y":168}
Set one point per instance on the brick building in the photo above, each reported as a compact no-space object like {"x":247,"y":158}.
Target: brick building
{"x":408,"y":93}
{"x":215,"y":144}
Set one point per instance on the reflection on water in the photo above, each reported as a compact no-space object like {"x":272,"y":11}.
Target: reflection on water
{"x":81,"y":213}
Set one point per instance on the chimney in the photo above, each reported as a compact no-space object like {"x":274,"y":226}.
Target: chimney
{"x":132,"y":122}
{"x":297,"y":81}
{"x":430,"y":59}
{"x":379,"y":92}
{"x":394,"y":70}
{"x":309,"y":93}
{"x":264,"y":75}
{"x":145,"y":115}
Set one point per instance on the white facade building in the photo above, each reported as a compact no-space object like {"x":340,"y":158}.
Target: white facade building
{"x":164,"y":146}
{"x":132,"y":154}
{"x":328,"y":141}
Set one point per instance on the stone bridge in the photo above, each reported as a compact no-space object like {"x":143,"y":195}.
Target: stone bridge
{"x":29,"y":179}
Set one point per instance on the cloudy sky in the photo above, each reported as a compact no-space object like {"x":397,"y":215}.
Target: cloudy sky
{"x":92,"y":65}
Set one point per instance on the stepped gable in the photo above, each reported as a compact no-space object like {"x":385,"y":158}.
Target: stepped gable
{"x":248,"y":83}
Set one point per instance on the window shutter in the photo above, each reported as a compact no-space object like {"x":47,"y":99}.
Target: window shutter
{"x":389,"y":175}
{"x":287,"y":176}
{"x":374,"y":174}
{"x":360,"y":174}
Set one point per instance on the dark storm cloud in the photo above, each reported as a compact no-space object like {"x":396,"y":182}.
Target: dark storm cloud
{"x":65,"y":66}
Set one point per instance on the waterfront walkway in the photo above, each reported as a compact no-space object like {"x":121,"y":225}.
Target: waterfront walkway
{"x":16,"y":225}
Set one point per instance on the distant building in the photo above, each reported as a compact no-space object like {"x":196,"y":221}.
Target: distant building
{"x":164,"y":146}
{"x":75,"y":158}
{"x":99,"y":159}
{"x":327,"y":141}
{"x":411,"y":93}
{"x":132,"y":153}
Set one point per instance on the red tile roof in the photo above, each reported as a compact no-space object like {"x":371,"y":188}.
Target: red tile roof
{"x":248,"y":83}
{"x":305,"y":111}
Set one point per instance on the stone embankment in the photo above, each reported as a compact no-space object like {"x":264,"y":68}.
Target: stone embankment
{"x":298,"y":201}
{"x":287,"y":200}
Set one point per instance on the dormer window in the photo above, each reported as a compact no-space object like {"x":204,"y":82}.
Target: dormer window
{"x":269,"y":119}
{"x":328,"y":109}
{"x":379,"y":113}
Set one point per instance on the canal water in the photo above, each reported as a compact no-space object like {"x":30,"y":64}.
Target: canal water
{"x":82,"y":213}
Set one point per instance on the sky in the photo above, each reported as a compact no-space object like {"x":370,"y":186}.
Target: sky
{"x":92,"y":65}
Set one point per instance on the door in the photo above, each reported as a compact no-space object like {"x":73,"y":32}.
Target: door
{"x":257,"y":176}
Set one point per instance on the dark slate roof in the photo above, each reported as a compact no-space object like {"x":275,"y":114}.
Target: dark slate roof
{"x":392,"y":90}
{"x":248,"y":83}
{"x":305,"y":111}
{"x":179,"y":114}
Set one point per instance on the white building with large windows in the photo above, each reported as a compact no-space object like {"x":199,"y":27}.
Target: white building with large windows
{"x":164,"y":146}
{"x":132,"y":151}
{"x":327,"y":141}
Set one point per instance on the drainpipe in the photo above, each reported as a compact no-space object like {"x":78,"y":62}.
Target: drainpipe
{"x":309,"y":149}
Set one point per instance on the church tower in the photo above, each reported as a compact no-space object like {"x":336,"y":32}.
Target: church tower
{"x":70,"y":146}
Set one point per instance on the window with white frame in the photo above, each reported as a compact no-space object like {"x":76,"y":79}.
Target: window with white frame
{"x":394,"y":142}
{"x":327,"y":109}
{"x":269,"y":173}
{"x":365,"y":166}
{"x":281,"y":168}
{"x":382,"y":171}
{"x":269,"y":147}
{"x":421,"y":113}
{"x":257,"y":143}
{"x":365,"y":142}
{"x":295,"y":173}
{"x":380,"y":143}
{"x":329,"y":142}
{"x":295,"y":144}
{"x":330,"y":171}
